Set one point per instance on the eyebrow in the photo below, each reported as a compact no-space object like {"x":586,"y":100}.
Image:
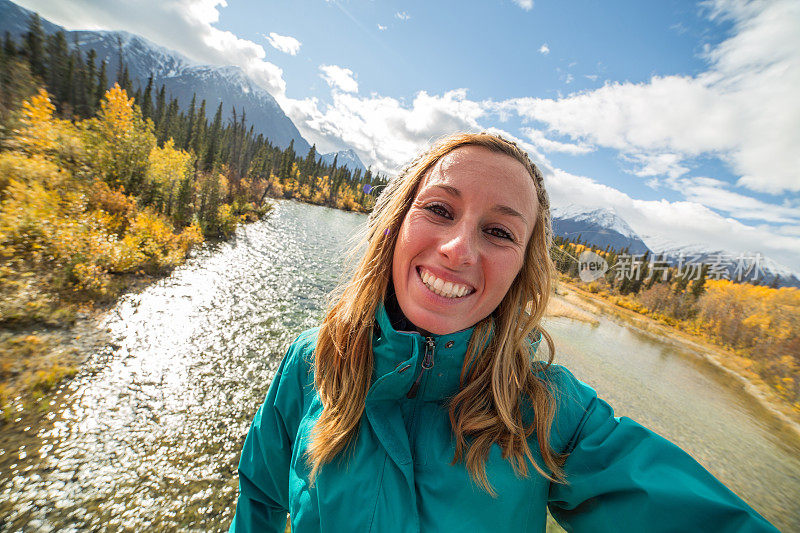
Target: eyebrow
{"x":499,"y":208}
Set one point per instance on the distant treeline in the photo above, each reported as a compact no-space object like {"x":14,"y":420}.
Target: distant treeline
{"x":100,"y":186}
{"x":760,"y":324}
{"x":76,"y":84}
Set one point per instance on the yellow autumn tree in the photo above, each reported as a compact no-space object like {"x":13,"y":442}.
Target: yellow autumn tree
{"x":167,"y":168}
{"x":120,"y":141}
{"x":39,"y":131}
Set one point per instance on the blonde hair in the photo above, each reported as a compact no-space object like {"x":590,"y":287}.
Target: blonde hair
{"x":496,"y":381}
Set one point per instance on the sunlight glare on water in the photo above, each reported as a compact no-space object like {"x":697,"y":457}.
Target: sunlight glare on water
{"x":148,"y":436}
{"x":151,"y":436}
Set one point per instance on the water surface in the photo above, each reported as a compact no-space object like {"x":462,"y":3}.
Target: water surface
{"x":149,"y":435}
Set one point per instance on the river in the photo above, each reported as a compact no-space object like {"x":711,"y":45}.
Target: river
{"x":148,"y":435}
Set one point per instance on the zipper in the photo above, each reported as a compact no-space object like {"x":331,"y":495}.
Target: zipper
{"x":427,"y":362}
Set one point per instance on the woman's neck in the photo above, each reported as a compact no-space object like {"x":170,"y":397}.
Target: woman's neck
{"x":396,"y":316}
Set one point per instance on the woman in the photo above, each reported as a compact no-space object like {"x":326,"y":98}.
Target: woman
{"x":419,"y":405}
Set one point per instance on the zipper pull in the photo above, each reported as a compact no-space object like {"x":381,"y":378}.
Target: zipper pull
{"x":427,"y":362}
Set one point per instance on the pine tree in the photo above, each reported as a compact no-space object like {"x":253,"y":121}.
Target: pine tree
{"x":161,"y":103}
{"x":91,"y":74}
{"x":310,"y":161}
{"x":698,"y":286}
{"x":57,"y":67}
{"x":68,"y":96}
{"x":126,"y":80}
{"x":147,"y":99}
{"x":197,"y":141}
{"x":168,"y":126}
{"x":680,"y":284}
{"x":120,"y":64}
{"x":287,"y":160}
{"x":183,"y":209}
{"x":34,"y":46}
{"x":102,"y":83}
{"x":82,"y":98}
{"x":213,"y":144}
{"x":190,"y":124}
{"x":640,"y":274}
{"x":9,"y":47}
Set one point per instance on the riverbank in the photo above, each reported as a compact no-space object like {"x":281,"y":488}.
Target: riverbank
{"x":39,"y":357}
{"x":726,"y":361}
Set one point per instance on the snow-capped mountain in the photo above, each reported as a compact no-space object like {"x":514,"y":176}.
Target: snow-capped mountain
{"x":753,"y":266}
{"x":600,"y":227}
{"x":181,"y":76}
{"x":346,"y":158}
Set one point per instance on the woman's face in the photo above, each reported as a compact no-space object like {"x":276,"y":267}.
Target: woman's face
{"x":463,"y":240}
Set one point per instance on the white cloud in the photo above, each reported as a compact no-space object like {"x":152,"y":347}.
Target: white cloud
{"x":544,"y":49}
{"x":386,"y":131}
{"x":538,"y":138}
{"x":182,"y":25}
{"x":685,"y":222}
{"x":527,"y":5}
{"x":381,"y":27}
{"x":715,"y":194}
{"x":284,"y":43}
{"x":658,"y":164}
{"x":744,"y":109}
{"x":339,"y":78}
{"x":402,"y":15}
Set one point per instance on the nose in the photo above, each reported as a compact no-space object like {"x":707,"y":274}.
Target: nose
{"x":459,"y":247}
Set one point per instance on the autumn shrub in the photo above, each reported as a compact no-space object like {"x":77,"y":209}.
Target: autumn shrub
{"x":29,"y":169}
{"x":43,"y":380}
{"x":593,"y":287}
{"x":150,"y":244}
{"x":757,"y":322}
{"x":167,"y":168}
{"x":763,"y":321}
{"x":80,"y":229}
{"x":118,"y":206}
{"x":119,"y":141}
{"x":225,"y":222}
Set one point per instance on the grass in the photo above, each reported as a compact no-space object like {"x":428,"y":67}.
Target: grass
{"x":560,"y":307}
{"x":30,"y":367}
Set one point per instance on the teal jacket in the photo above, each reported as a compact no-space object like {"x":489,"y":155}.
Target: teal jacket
{"x":399,"y":478}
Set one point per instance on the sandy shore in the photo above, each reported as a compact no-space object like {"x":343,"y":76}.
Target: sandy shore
{"x":570,"y":296}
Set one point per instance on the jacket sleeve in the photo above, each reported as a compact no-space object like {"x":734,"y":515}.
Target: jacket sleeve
{"x":622,"y":475}
{"x":267,"y":453}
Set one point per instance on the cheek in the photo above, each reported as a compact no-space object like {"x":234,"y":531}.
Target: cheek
{"x":402,"y":250}
{"x":503,"y":272}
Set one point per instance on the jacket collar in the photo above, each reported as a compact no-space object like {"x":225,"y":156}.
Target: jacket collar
{"x":398,"y":359}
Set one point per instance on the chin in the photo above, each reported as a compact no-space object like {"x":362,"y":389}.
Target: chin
{"x":436,"y":325}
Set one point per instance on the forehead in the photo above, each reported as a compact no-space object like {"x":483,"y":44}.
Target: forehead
{"x":492,"y":177}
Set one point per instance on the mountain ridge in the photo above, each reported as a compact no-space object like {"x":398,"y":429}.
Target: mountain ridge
{"x":181,"y":76}
{"x":603,"y":227}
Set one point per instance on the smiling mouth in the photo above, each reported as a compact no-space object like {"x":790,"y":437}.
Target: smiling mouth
{"x":443,"y":288}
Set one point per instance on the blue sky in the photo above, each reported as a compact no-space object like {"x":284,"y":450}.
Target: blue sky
{"x":682,"y":116}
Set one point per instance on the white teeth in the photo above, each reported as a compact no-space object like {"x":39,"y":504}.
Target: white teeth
{"x":447,"y":289}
